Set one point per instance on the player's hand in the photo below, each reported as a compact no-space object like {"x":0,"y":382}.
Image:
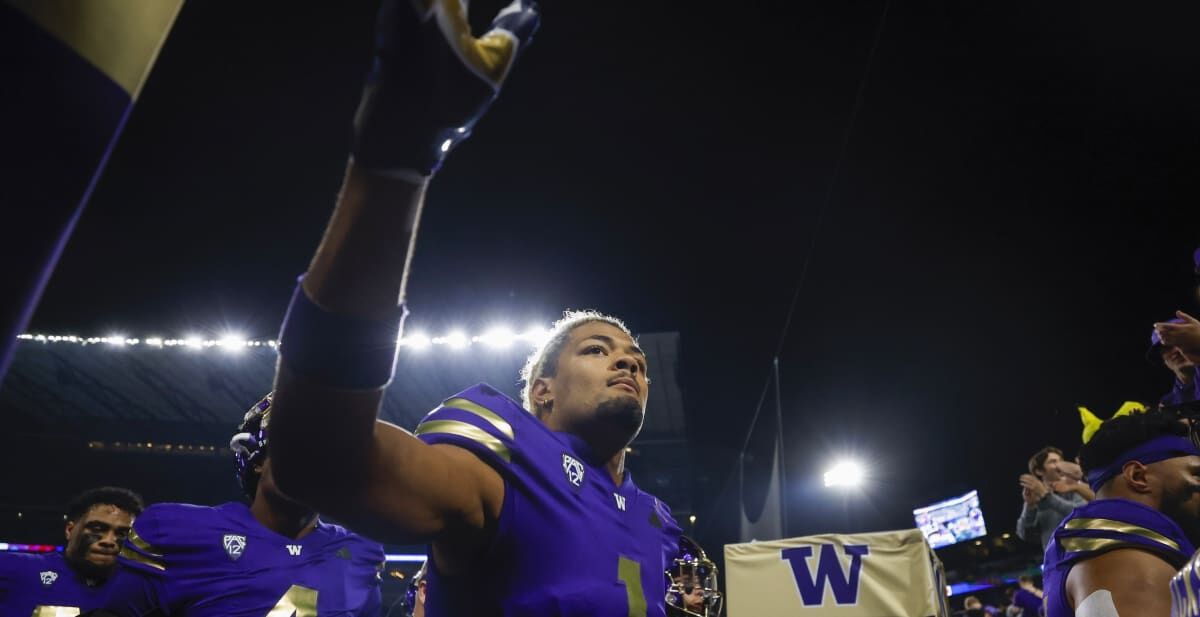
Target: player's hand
{"x":1185,"y":336}
{"x":432,"y":80}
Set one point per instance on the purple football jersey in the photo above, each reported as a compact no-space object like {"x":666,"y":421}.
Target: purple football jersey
{"x":1101,"y":526}
{"x":569,"y":541}
{"x":43,"y":584}
{"x":1185,"y":589}
{"x":197,"y":561}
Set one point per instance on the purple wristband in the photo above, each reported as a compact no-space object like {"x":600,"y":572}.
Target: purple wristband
{"x":340,"y":351}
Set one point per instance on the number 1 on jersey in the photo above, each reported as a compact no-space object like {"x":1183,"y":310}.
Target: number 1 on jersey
{"x":299,"y":601}
{"x":630,"y":573}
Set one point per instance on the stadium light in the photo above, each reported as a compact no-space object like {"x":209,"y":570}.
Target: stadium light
{"x":499,"y":338}
{"x":535,"y":335}
{"x":417,"y":341}
{"x":232,"y":343}
{"x":845,"y":474}
{"x":455,"y":340}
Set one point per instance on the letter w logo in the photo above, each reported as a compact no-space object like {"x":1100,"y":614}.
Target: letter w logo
{"x":828,"y":571}
{"x":294,"y":549}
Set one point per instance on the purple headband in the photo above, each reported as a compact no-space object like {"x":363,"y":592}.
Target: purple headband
{"x":1158,"y":449}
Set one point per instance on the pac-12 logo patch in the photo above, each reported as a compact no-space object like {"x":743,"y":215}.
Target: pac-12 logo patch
{"x":235,"y":545}
{"x":48,"y":577}
{"x":573,"y":469}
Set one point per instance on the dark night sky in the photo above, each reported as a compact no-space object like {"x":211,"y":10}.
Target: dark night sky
{"x":1015,"y":209}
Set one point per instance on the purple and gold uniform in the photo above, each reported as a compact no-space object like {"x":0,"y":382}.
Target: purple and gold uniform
{"x":1185,"y":590}
{"x":569,"y":541}
{"x":197,"y":561}
{"x":44,"y":585}
{"x":1101,"y":526}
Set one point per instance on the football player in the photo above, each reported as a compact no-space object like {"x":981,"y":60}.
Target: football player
{"x":528,"y":505}
{"x":414,"y":597}
{"x":1117,"y":554}
{"x":79,"y":578}
{"x":273,"y":557}
{"x":693,"y":590}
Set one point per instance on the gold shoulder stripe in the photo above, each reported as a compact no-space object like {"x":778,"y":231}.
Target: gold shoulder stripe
{"x":1087,"y":545}
{"x":1105,"y":524}
{"x":469,"y":431}
{"x":133,"y":555}
{"x":492,"y":417}
{"x":145,"y":546}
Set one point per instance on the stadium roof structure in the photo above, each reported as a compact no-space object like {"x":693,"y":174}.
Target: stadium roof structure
{"x":157,"y":418}
{"x":118,"y":391}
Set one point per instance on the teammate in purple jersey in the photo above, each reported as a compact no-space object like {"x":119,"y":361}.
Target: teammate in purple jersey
{"x":528,"y":506}
{"x":1116,"y":555}
{"x":78,"y":579}
{"x":272,"y":558}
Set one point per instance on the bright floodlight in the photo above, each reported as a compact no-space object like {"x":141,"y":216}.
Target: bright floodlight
{"x":456,"y":339}
{"x":499,"y":338}
{"x":416,"y":341}
{"x":232,"y":343}
{"x":846,"y":473}
{"x":535,"y":335}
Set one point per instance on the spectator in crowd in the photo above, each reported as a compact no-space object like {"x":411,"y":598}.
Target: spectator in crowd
{"x":1049,"y":496}
{"x":1180,"y":365}
{"x":79,"y":578}
{"x":1011,"y":610}
{"x":972,"y":607}
{"x":1027,"y":597}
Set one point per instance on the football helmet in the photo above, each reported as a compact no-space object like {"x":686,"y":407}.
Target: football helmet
{"x":692,"y":582}
{"x":249,"y":445}
{"x":410,"y":595}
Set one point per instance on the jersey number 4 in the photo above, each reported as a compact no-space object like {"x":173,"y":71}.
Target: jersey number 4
{"x":297,"y":602}
{"x":629,"y":572}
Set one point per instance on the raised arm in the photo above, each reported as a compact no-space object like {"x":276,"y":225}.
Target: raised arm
{"x":430,"y":82}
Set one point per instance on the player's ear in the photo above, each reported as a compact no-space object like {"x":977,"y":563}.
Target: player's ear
{"x":70,"y":526}
{"x":1136,"y":476}
{"x":541,"y":395}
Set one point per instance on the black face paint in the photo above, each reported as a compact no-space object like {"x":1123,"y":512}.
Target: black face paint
{"x":78,"y":558}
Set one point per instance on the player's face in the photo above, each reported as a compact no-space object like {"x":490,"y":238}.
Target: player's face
{"x":600,"y":381}
{"x":95,"y":539}
{"x":1181,"y":492}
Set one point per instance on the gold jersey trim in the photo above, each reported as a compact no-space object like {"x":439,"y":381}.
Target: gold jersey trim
{"x":1105,"y":524}
{"x":133,"y":555}
{"x":468,"y":431}
{"x":492,"y":417}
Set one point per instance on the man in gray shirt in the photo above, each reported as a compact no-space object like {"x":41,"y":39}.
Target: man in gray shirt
{"x":1052,"y":489}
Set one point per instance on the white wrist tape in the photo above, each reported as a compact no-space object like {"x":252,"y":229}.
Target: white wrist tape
{"x":1098,"y":604}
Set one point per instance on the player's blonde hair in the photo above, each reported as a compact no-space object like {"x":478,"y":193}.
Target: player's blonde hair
{"x":543,"y":362}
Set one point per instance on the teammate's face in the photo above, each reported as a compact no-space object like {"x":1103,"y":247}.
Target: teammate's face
{"x":600,"y":383}
{"x":95,"y":539}
{"x":1181,"y":492}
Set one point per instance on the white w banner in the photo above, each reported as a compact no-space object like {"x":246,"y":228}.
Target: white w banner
{"x":887,"y":574}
